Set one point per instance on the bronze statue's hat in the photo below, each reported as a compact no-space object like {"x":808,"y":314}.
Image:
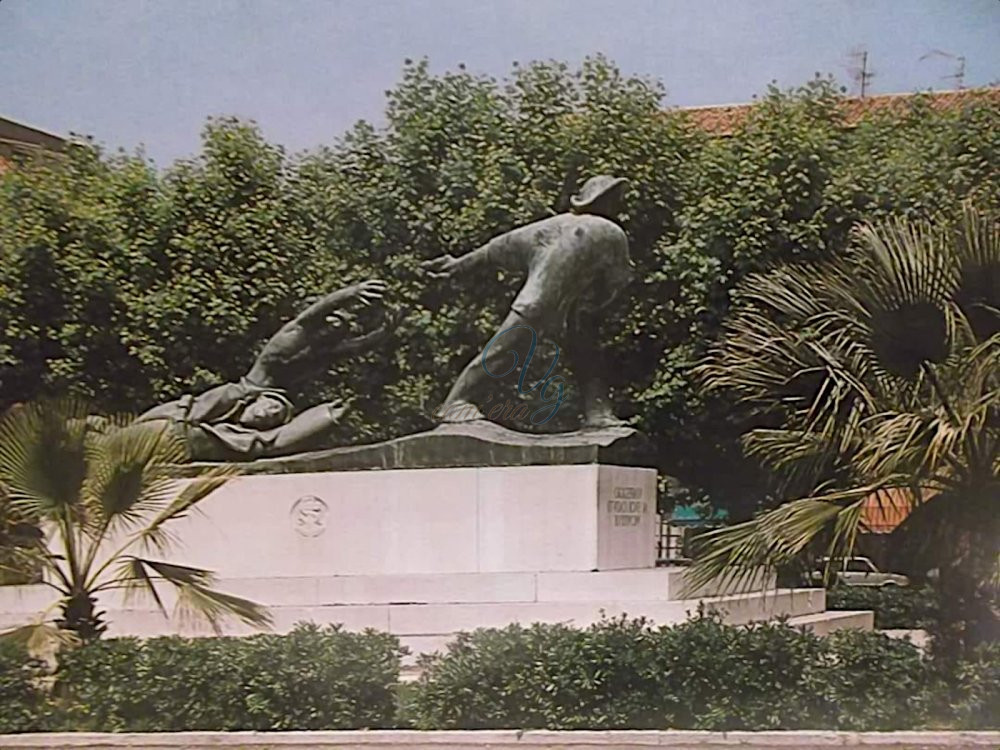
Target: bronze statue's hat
{"x":594,"y":188}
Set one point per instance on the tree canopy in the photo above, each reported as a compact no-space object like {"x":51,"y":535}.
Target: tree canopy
{"x":129,"y":285}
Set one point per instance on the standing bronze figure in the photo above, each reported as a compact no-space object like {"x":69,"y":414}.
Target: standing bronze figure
{"x":577,"y":263}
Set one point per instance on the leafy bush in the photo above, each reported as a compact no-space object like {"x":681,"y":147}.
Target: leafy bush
{"x":618,"y":673}
{"x":543,"y":676}
{"x":873,"y":682}
{"x":975,"y":690}
{"x":723,"y":677}
{"x":894,"y":606}
{"x":22,"y":700}
{"x":312,"y":678}
{"x":698,"y":675}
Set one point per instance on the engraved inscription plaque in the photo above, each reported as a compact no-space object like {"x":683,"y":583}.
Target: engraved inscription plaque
{"x":626,"y":522}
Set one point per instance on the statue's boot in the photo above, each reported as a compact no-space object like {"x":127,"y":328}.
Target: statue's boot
{"x":597,"y":411}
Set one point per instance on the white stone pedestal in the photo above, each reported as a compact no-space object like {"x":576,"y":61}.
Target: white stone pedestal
{"x":410,"y":521}
{"x":426,"y":553}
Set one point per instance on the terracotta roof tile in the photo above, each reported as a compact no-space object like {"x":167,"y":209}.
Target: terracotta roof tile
{"x":884,"y":511}
{"x":725,"y":119}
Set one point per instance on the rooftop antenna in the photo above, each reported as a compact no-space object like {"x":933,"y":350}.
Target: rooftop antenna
{"x":959,"y":75}
{"x":859,"y":70}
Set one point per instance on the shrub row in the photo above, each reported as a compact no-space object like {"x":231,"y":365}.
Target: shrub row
{"x":312,"y":678}
{"x":894,"y":607}
{"x":22,"y":699}
{"x":616,"y":674}
{"x":699,"y":675}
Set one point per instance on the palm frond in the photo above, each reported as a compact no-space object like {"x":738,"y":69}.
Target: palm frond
{"x":34,"y":438}
{"x":881,"y":378}
{"x":978,"y":295}
{"x":200,"y":602}
{"x":134,"y":579}
{"x":797,"y":456}
{"x":195,"y":596}
{"x":906,"y":278}
{"x":127,"y":472}
{"x":42,"y":640}
{"x":179,"y":574}
{"x":194,"y":490}
{"x":737,"y":553}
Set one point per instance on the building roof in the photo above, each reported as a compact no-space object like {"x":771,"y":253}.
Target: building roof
{"x":16,"y":137}
{"x":15,"y":132}
{"x":725,"y":119}
{"x":885,"y":510}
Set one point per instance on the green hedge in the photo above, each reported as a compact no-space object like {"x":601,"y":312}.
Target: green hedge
{"x":312,"y":678}
{"x":894,"y":606}
{"x":22,"y":702}
{"x":616,"y":674}
{"x":974,"y":690}
{"x":698,"y":675}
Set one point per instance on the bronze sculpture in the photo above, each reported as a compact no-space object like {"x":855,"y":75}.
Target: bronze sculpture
{"x":253,"y":418}
{"x":577,"y":263}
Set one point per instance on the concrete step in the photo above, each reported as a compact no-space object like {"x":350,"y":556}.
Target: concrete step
{"x":918,"y":637}
{"x":431,"y":629}
{"x":646,"y":584}
{"x":445,"y":619}
{"x":738,"y":609}
{"x":824,"y":623}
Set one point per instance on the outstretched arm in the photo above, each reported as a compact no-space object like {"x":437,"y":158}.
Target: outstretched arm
{"x":359,"y":344}
{"x":293,"y":339}
{"x":363,"y":343}
{"x":365,"y":293}
{"x":511,"y":250}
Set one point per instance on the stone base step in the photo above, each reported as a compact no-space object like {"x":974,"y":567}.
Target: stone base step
{"x":918,"y":637}
{"x":647,"y":584}
{"x":443,"y":619}
{"x":668,"y":583}
{"x":736,"y":609}
{"x":824,"y":623}
{"x":435,"y":619}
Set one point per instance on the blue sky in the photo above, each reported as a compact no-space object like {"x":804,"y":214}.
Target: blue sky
{"x":133,"y":72}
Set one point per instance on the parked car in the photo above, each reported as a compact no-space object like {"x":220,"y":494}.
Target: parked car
{"x":858,"y":571}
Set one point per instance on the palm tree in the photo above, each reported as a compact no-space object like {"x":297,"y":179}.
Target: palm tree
{"x":882,"y":370}
{"x":87,"y":499}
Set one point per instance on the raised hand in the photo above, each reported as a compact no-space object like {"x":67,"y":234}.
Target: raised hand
{"x":369,"y":291}
{"x":441,"y":267}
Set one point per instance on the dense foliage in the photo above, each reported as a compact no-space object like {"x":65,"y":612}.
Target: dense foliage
{"x":23,"y":700}
{"x":312,"y":678}
{"x":130,"y":285}
{"x":972,"y":695}
{"x":698,"y":675}
{"x":894,"y":606}
{"x":879,"y":369}
{"x":615,"y":674}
